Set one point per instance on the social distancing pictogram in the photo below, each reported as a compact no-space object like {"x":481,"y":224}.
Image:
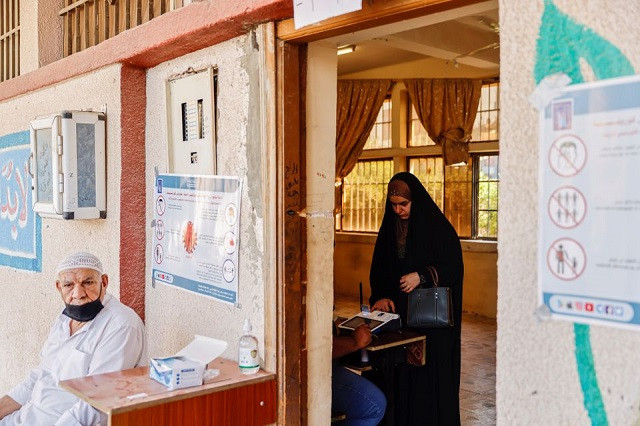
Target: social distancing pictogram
{"x":567,"y":207}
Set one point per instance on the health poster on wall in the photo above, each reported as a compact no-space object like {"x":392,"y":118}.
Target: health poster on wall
{"x":195,"y":238}
{"x":589,"y":212}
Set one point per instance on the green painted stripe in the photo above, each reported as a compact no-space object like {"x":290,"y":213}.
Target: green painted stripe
{"x":592,"y":398}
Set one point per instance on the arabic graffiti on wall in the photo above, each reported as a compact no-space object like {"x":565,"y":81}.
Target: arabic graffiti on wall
{"x":20,"y":227}
{"x":562,"y":42}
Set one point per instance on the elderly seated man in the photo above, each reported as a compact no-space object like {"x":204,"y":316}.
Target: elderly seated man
{"x":94,"y":334}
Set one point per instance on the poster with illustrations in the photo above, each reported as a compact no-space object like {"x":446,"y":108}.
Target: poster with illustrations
{"x":195,"y":237}
{"x":589,"y":211}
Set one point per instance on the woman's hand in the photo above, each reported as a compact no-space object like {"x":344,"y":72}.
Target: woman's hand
{"x":409,"y":282}
{"x":384,"y":305}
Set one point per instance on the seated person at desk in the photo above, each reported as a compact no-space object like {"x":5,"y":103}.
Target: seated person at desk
{"x":94,"y":334}
{"x":359,"y":399}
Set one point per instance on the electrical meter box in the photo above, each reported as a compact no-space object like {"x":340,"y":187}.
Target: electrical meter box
{"x":67,"y":164}
{"x":191,"y":123}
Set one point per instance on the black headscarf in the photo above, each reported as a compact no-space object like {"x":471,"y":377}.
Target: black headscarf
{"x":431,"y":241}
{"x":432,"y":391}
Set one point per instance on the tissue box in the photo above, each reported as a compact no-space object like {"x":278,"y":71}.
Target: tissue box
{"x":176,"y":372}
{"x":186,"y":368}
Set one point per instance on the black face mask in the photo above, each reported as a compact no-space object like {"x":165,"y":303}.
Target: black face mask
{"x":86,"y":312}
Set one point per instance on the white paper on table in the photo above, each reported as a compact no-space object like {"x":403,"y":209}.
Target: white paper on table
{"x":307,"y":12}
{"x":203,"y":349}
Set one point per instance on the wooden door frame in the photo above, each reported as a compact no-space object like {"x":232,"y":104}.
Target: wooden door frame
{"x":374,"y":13}
{"x":291,"y":232}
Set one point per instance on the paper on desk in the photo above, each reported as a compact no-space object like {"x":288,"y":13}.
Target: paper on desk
{"x":203,"y":349}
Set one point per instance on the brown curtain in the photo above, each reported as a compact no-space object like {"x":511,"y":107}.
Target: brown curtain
{"x":447,"y":108}
{"x":358,"y":104}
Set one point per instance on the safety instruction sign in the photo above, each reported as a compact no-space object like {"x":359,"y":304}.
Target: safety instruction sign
{"x":195,"y":238}
{"x":589,"y":211}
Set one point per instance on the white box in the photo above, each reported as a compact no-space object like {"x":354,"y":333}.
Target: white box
{"x":176,"y":372}
{"x":186,"y":368}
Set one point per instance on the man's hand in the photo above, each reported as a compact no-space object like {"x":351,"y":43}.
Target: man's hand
{"x":409,"y":282}
{"x":343,"y":345}
{"x":362,"y":336}
{"x":385,"y":305}
{"x":8,"y":406}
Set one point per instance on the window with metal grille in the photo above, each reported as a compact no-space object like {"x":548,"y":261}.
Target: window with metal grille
{"x":470,"y":192}
{"x":9,"y":39}
{"x":431,"y":173}
{"x":466,"y":193}
{"x":363,"y":195}
{"x":90,"y":22}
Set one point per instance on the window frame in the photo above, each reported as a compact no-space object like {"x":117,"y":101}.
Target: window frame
{"x":382,"y":124}
{"x":475,"y":190}
{"x":11,"y":39}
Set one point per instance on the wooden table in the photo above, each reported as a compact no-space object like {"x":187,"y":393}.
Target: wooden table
{"x":131,"y":397}
{"x":386,"y":351}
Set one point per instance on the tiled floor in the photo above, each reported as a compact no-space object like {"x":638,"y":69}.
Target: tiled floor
{"x":478,"y":375}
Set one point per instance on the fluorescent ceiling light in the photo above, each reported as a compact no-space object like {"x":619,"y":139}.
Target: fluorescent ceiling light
{"x":343,"y":50}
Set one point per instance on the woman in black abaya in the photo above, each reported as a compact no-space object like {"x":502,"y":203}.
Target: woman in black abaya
{"x":414,"y":235}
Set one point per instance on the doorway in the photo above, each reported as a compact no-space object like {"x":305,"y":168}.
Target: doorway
{"x":453,"y":43}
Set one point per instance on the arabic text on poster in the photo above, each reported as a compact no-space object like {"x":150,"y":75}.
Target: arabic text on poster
{"x":195,"y":240}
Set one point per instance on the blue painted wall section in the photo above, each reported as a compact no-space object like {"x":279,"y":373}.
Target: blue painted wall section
{"x":20,"y":227}
{"x":561,"y":44}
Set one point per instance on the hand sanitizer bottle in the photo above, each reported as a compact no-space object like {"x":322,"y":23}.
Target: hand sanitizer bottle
{"x":248,"y":359}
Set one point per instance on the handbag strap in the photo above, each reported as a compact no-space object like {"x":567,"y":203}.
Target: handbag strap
{"x":434,"y":275}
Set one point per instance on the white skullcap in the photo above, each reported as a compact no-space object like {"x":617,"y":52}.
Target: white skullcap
{"x":80,"y":260}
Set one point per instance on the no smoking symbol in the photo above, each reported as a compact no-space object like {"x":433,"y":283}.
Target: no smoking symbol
{"x":567,"y":207}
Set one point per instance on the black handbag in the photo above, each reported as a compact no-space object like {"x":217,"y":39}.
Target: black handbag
{"x":430,"y":307}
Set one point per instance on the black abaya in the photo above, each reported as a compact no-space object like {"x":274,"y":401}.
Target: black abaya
{"x":430,"y":393}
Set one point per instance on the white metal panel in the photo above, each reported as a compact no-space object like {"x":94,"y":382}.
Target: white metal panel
{"x":191,"y":124}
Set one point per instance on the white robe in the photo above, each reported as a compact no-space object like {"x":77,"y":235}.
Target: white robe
{"x":114,"y":340}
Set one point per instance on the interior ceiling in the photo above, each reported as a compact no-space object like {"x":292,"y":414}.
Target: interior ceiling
{"x":469,"y":36}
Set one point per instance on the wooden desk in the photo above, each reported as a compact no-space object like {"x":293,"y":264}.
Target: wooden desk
{"x":131,"y":397}
{"x":386,"y":351}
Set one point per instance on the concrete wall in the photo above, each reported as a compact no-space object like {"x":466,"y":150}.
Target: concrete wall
{"x":539,"y":380}
{"x":352,"y":261}
{"x":30,"y":301}
{"x":480,"y":286}
{"x":41,"y":33}
{"x":174,"y":316}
